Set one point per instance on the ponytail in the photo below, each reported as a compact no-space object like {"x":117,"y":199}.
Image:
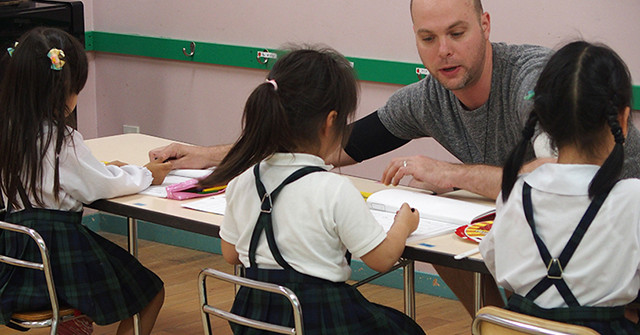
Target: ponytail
{"x":609,"y":172}
{"x":287,"y":112}
{"x":265,"y":131}
{"x":514,"y":162}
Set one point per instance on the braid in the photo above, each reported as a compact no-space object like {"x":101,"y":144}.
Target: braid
{"x":514,"y":162}
{"x":616,"y":130}
{"x":609,"y":172}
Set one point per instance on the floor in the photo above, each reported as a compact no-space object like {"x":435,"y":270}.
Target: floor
{"x":179,"y":268}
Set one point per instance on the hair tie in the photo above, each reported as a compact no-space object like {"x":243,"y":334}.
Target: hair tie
{"x":10,"y":50}
{"x":612,"y":120}
{"x":272,"y":82}
{"x":530,"y":95}
{"x":57,"y":59}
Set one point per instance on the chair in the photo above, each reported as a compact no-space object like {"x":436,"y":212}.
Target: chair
{"x":498,"y":321}
{"x":207,"y":309}
{"x":38,"y":319}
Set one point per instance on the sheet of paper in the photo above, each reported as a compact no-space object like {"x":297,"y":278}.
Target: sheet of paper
{"x":426,"y":228}
{"x":214,"y":204}
{"x":191,"y":173}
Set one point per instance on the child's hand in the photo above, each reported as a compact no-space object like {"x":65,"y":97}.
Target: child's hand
{"x":117,"y":163}
{"x":159,"y":171}
{"x":407,"y":216}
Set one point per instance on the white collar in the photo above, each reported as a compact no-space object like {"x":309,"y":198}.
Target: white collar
{"x":296,"y":159}
{"x":564,"y":179}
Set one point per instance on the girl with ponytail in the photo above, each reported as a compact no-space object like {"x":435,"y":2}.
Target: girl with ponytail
{"x":292,"y":122}
{"x":574,"y":223}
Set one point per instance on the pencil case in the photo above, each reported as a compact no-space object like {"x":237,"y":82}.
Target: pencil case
{"x":189,"y":189}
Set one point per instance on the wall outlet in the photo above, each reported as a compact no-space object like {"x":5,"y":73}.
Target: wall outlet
{"x":130,"y":129}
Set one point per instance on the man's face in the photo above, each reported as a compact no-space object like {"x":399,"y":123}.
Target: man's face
{"x":451,"y":39}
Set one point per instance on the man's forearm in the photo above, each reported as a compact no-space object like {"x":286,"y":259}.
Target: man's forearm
{"x":216,"y":153}
{"x":485,"y":180}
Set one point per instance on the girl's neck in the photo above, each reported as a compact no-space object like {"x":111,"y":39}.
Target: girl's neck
{"x":571,"y":155}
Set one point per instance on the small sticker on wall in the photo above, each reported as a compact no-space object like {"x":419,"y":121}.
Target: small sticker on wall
{"x":265,"y":54}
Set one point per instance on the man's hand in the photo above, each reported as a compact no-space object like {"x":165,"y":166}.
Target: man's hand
{"x":183,"y":156}
{"x":427,"y":173}
{"x":441,"y":177}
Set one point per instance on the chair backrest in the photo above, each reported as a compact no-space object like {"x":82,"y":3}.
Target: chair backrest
{"x":48,"y":320}
{"x":498,"y":321}
{"x":207,"y":309}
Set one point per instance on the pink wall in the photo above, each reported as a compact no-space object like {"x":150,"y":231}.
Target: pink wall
{"x":202,"y":104}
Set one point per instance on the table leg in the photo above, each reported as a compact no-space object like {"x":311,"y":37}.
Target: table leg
{"x":409,"y":289}
{"x":133,"y":236}
{"x":477,"y":292}
{"x":133,"y":250}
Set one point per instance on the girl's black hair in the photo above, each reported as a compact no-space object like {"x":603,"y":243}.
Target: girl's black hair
{"x":33,"y":107}
{"x":311,"y":82}
{"x":582,"y":89}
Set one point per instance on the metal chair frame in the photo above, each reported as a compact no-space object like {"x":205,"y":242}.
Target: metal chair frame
{"x":509,"y":322}
{"x":26,"y":318}
{"x":207,"y":309}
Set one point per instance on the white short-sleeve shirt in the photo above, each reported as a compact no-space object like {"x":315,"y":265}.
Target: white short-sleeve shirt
{"x":605,"y":268}
{"x":316,"y":218}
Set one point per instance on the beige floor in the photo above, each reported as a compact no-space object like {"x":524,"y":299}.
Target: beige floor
{"x":179,"y":268}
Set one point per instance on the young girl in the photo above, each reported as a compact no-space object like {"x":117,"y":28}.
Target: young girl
{"x":293,"y":229}
{"x":566,"y":238}
{"x":46,"y":174}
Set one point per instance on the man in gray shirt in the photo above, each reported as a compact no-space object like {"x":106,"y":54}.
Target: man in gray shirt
{"x":474,"y":103}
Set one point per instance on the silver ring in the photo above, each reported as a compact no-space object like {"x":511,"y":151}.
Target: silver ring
{"x":404,"y":163}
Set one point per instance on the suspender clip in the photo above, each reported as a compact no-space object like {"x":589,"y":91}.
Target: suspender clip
{"x":266,"y":206}
{"x":554,"y":269}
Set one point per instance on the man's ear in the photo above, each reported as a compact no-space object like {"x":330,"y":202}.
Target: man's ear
{"x":485,"y":23}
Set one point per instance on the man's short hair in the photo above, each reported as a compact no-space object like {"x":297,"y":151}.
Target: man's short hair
{"x":476,"y":3}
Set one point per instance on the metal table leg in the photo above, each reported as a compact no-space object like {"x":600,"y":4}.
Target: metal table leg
{"x":409,"y":289}
{"x":133,"y":250}
{"x":477,"y":292}
{"x":133,"y":236}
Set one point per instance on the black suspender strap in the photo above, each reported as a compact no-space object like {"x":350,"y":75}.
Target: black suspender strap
{"x":25,"y":199}
{"x":5,"y":209}
{"x":555,"y":265}
{"x":264,"y":220}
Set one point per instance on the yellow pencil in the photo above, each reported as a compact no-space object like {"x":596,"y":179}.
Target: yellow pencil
{"x":213,"y":189}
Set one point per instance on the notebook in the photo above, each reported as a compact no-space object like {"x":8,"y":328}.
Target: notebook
{"x":438,"y":215}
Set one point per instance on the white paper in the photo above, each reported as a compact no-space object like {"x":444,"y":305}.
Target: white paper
{"x":214,"y":204}
{"x":426,"y":228}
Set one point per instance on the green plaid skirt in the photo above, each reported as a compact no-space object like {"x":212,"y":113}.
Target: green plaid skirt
{"x":605,"y":320}
{"x":327,"y":307}
{"x":91,"y":274}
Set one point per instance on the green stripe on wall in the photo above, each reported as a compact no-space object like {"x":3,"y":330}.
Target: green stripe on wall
{"x":242,"y":56}
{"x":233,"y":55}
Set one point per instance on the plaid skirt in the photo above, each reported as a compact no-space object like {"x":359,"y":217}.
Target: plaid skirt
{"x":327,"y":307}
{"x":90,"y":273}
{"x":604,"y":320}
